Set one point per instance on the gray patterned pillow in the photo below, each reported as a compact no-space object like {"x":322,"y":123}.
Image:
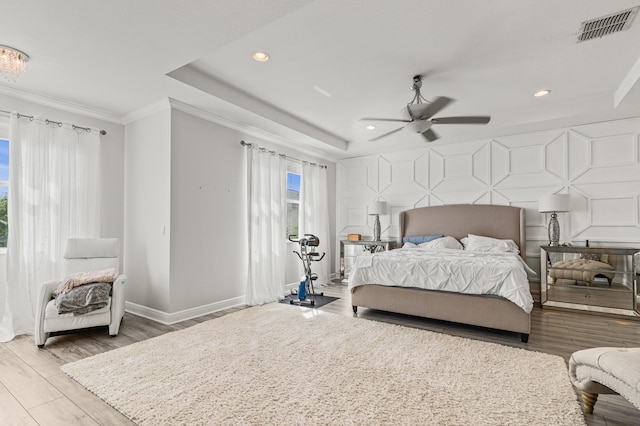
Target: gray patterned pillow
{"x":590,"y":256}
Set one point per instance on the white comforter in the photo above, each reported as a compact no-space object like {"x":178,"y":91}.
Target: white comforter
{"x":460,"y":271}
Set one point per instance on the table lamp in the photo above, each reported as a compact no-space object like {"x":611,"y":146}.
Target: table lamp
{"x":554,"y":203}
{"x":376,"y":209}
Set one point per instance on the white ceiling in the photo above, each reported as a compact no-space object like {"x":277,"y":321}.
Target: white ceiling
{"x":332,"y":63}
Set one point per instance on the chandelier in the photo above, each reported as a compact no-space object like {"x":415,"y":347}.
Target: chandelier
{"x":12,"y":62}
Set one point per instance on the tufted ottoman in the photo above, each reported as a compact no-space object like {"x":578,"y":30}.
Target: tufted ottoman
{"x":582,"y":270}
{"x":606,"y":370}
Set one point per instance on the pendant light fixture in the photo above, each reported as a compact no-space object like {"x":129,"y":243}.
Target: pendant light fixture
{"x":12,"y":63}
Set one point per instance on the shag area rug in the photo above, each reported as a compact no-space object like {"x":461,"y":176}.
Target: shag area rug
{"x":283,"y":365}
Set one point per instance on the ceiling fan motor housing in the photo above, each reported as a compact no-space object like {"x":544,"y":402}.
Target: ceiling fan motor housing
{"x":417,"y":82}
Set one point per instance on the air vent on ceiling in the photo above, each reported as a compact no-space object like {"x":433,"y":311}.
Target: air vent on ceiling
{"x":605,"y":25}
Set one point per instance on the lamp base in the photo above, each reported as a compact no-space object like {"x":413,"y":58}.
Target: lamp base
{"x":376,"y":228}
{"x":554,"y":230}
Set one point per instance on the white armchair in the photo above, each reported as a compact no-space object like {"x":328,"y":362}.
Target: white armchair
{"x":83,"y":255}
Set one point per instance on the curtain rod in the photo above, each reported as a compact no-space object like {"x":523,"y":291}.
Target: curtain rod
{"x":249,"y":145}
{"x":59,"y":123}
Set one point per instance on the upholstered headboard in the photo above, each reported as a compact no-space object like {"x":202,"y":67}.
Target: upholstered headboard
{"x":459,"y":220}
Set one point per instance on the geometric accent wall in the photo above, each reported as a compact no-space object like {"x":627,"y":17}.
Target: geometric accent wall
{"x":598,"y":165}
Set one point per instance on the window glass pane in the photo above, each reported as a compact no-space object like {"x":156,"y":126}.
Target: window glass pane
{"x":4,"y":160}
{"x":293,"y":203}
{"x":292,"y":219}
{"x":293,"y":186}
{"x":4,"y":190}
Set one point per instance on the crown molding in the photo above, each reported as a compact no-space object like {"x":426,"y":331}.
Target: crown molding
{"x":59,"y":104}
{"x":248,"y":130}
{"x":161,"y":105}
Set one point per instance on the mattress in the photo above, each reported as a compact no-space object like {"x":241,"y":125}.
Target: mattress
{"x":460,"y":271}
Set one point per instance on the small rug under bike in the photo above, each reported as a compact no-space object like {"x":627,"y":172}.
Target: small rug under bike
{"x":310,"y":301}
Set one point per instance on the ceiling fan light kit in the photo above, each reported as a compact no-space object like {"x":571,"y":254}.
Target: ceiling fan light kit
{"x":421,"y":112}
{"x":418,"y":126}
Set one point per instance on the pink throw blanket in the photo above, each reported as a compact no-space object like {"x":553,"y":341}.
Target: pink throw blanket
{"x":80,"y":278}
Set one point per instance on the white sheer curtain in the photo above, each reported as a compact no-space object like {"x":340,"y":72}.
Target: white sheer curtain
{"x":54,"y":194}
{"x":314,"y":214}
{"x":267,"y":226}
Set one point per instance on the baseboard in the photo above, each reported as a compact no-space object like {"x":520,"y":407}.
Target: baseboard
{"x":175,"y":317}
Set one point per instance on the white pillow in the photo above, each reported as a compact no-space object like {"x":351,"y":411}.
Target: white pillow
{"x":444,"y":242}
{"x":409,"y":245}
{"x":493,"y":245}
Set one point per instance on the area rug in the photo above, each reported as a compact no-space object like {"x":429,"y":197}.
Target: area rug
{"x":283,"y":365}
{"x":318,"y":300}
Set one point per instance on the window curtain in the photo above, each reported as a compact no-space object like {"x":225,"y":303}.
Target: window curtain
{"x":313,"y":216}
{"x":267,"y":205}
{"x":54,"y":194}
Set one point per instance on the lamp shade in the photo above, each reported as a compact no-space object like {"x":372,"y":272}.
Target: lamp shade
{"x":553,"y":203}
{"x":378,"y":207}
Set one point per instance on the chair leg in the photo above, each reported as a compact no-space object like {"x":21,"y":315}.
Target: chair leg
{"x":40,"y":338}
{"x":114,"y":327}
{"x":589,"y":400}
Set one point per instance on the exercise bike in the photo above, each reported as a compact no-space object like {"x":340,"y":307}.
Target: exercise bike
{"x":307,"y":254}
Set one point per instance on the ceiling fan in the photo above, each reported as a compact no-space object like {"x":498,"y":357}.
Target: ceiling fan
{"x":421,"y":112}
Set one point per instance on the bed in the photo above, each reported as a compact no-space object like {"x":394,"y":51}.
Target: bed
{"x":458,"y":221}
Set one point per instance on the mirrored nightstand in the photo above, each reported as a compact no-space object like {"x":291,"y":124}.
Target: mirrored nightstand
{"x":598,"y":279}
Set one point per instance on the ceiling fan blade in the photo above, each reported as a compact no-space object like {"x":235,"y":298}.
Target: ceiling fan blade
{"x":386,"y":134}
{"x":385,"y":119}
{"x":479,"y":119}
{"x":430,"y":135}
{"x":428,"y":110}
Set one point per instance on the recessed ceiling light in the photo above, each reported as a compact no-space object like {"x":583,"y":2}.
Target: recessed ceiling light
{"x":542,"y":92}
{"x":370,"y":127}
{"x":261,"y":56}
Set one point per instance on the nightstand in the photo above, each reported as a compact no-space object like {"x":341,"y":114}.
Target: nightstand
{"x":349,"y":250}
{"x":599,"y":279}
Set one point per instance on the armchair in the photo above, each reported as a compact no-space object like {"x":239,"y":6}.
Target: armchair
{"x":83,"y":255}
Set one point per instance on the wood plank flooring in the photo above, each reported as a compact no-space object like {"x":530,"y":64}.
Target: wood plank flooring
{"x":33,"y":390}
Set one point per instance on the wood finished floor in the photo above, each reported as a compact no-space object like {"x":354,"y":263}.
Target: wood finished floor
{"x":33,"y":390}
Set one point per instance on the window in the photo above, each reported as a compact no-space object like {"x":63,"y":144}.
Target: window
{"x":4,"y":191}
{"x":293,"y":203}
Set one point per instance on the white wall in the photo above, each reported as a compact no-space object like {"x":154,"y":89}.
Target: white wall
{"x":147,"y":211}
{"x":597,"y":164}
{"x":186,"y":175}
{"x":208,"y":213}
